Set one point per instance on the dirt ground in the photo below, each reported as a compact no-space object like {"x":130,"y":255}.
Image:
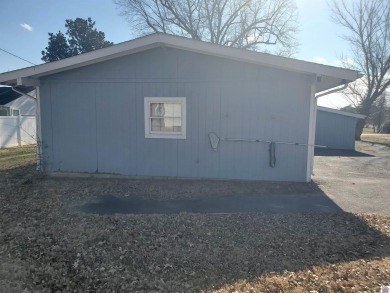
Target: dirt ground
{"x":47,"y":247}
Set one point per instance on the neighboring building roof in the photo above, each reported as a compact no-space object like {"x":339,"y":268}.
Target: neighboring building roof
{"x":335,"y":111}
{"x":25,"y":105}
{"x":7,"y":95}
{"x":330,"y":76}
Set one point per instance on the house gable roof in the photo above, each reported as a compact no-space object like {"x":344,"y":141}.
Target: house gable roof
{"x":7,"y":95}
{"x":330,"y":76}
{"x":334,"y":111}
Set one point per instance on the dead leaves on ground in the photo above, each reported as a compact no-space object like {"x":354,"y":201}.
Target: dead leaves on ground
{"x":45,"y":247}
{"x":192,"y":252}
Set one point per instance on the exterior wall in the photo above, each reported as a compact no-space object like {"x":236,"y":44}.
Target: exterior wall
{"x":17,"y":130}
{"x":93,"y":117}
{"x":335,"y":130}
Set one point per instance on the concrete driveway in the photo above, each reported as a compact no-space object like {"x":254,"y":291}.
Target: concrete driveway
{"x":358,"y":181}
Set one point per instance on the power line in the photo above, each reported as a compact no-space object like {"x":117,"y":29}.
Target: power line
{"x":17,"y":56}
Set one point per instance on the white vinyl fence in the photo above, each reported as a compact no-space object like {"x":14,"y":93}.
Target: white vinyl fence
{"x":17,"y":130}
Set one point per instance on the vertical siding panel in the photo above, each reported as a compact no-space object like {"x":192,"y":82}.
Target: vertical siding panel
{"x":195,"y":143}
{"x":133,"y":126}
{"x":230,"y":150}
{"x":196,"y":92}
{"x":74,"y":109}
{"x":187,"y":149}
{"x":115,"y":135}
{"x":213,"y":112}
{"x":46,"y":127}
{"x":209,"y":160}
{"x":204,"y":169}
{"x":140,"y":128}
{"x":149,"y":156}
{"x":56,"y":91}
{"x":251,"y":160}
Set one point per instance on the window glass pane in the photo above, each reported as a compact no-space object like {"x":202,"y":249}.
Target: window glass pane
{"x":15,"y":112}
{"x":165,"y":110}
{"x":157,"y":110}
{"x":166,"y":124}
{"x":4,"y":111}
{"x":168,"y":110}
{"x":176,"y":110}
{"x":177,"y":124}
{"x":172,"y":125}
{"x":156,"y":124}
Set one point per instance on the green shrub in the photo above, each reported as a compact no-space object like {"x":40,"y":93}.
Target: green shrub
{"x":386,"y":127}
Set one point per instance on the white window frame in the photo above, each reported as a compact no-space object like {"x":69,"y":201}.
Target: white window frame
{"x":159,"y":134}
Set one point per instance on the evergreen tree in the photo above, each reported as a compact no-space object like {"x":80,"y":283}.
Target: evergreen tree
{"x":81,"y":37}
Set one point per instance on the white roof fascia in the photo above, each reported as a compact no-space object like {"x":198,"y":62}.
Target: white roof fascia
{"x":335,"y":111}
{"x":81,"y":60}
{"x":156,"y":40}
{"x":265,"y":59}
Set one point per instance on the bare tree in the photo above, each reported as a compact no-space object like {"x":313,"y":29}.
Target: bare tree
{"x":378,"y":113}
{"x":368,"y":26}
{"x":250,"y":24}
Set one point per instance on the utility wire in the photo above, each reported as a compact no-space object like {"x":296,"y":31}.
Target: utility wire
{"x":17,"y":56}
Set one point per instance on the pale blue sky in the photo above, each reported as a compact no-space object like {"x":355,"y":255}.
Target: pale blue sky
{"x":25,"y":24}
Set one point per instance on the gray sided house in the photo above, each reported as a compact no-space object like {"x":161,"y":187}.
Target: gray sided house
{"x":163,"y":105}
{"x":336,"y":129}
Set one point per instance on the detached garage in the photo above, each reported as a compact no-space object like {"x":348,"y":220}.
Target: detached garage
{"x":164,"y":105}
{"x":336,"y":129}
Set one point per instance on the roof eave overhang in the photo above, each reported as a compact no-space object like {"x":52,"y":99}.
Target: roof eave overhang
{"x":158,"y":40}
{"x":339,"y":112}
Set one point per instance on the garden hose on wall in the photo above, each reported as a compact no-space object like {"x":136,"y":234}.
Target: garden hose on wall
{"x":272,"y":156}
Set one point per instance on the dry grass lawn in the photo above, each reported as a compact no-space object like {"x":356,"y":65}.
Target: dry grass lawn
{"x":368,"y":135}
{"x":376,"y":138}
{"x":45,"y":246}
{"x":368,"y":130}
{"x":14,"y":157}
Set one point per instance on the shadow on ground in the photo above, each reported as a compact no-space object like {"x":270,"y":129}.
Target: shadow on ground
{"x":328,"y":152}
{"x":267,"y":201}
